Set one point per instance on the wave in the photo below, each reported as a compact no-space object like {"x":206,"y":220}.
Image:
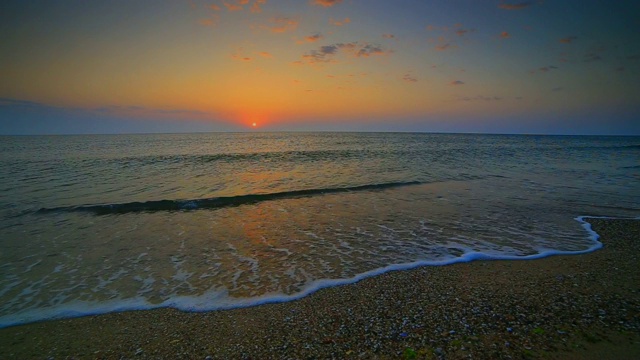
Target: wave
{"x":214,"y":203}
{"x":219,"y":299}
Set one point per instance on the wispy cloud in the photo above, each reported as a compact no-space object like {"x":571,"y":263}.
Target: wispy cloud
{"x":462,"y":32}
{"x":505,"y":35}
{"x":233,"y":7}
{"x":257,"y":6}
{"x":370,"y":50}
{"x":544,"y":69}
{"x":241,"y":58}
{"x":518,"y":6}
{"x":239,"y":5}
{"x":594,"y":53}
{"x":282,"y":25}
{"x":265,"y":54}
{"x":409,"y":78}
{"x":568,"y":39}
{"x":480,"y":98}
{"x":456,"y":83}
{"x":443,"y":47}
{"x":21,"y":103}
{"x":326,"y":3}
{"x":327,"y":53}
{"x":388,"y":36}
{"x":591,"y":57}
{"x":446,"y":40}
{"x":340,"y":22}
{"x":210,"y":22}
{"x":144,"y":111}
{"x":311,"y":38}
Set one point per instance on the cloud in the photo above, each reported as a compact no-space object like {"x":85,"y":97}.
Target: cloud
{"x":388,"y":36}
{"x":210,"y":22}
{"x":446,"y":41}
{"x":326,"y":3}
{"x":214,"y":7}
{"x":409,"y":78}
{"x":462,"y":32}
{"x":257,"y":6}
{"x":282,"y":25}
{"x":505,"y":35}
{"x":311,"y":38}
{"x":443,"y":47}
{"x":568,"y":39}
{"x":548,"y":68}
{"x":518,"y":6}
{"x":370,"y":50}
{"x":21,"y":103}
{"x":591,"y":57}
{"x":265,"y":54}
{"x":232,"y":7}
{"x":340,"y":22}
{"x":326,"y":53}
{"x":456,"y":83}
{"x":238,"y":5}
{"x":479,"y":98}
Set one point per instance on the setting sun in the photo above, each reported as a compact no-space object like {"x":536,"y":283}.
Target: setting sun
{"x":254,"y":124}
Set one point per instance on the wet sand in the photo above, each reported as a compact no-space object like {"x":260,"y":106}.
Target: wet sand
{"x":560,"y":307}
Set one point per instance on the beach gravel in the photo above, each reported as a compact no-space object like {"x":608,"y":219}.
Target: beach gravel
{"x":560,"y":307}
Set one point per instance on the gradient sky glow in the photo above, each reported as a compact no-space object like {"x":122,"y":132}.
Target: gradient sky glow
{"x":552,"y":67}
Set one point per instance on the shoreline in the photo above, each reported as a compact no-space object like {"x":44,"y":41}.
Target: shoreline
{"x":561,"y":306}
{"x":195,"y":303}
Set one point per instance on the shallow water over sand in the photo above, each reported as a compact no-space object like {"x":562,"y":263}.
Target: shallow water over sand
{"x":223,"y":220}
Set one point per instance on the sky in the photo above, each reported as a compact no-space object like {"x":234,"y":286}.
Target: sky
{"x":512,"y":66}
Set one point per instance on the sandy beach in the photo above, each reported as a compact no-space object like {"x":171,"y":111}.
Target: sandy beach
{"x":560,"y":307}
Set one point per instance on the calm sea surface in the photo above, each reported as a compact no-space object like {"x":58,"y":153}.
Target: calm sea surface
{"x":92,"y":224}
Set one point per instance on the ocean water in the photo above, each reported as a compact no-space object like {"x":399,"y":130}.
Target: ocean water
{"x":94,"y":224}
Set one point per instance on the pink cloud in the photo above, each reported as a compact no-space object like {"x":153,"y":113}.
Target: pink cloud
{"x":232,"y":7}
{"x":456,"y":83}
{"x":282,"y":25}
{"x":388,"y":36}
{"x":340,"y":22}
{"x":505,"y":35}
{"x":257,"y":6}
{"x":211,"y":22}
{"x":462,"y":32}
{"x":312,"y":38}
{"x":326,"y":3}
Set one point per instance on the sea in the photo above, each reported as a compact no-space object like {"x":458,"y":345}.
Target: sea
{"x":91,"y":224}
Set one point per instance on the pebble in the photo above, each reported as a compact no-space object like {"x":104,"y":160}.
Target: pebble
{"x":475,"y":299}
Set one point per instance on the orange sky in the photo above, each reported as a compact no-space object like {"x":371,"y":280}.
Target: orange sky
{"x":284,"y":64}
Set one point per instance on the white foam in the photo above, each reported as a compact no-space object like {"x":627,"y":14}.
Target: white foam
{"x":219,"y":299}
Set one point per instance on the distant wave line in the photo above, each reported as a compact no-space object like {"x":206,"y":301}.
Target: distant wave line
{"x":216,"y":202}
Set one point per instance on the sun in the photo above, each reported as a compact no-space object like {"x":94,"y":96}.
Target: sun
{"x":254,"y":124}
